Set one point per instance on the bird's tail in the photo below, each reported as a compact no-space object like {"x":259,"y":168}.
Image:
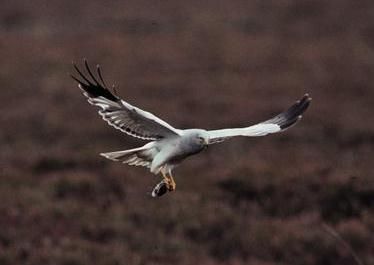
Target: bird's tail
{"x":141,"y":156}
{"x":119,"y":155}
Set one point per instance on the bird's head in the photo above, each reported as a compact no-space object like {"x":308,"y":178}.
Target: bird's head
{"x":201,"y":138}
{"x":195,"y":140}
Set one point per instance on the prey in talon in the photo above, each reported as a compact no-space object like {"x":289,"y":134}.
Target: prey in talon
{"x":166,"y":184}
{"x":160,"y":189}
{"x":167,"y":146}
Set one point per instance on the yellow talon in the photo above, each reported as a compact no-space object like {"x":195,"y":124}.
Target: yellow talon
{"x":172,"y":183}
{"x":169,"y":180}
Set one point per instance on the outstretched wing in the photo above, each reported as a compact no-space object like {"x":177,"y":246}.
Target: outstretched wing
{"x":118,"y":113}
{"x":279,"y":123}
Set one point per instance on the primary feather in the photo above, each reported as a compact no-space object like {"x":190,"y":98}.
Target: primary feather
{"x":119,"y":113}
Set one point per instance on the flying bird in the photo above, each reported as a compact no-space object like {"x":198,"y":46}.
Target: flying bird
{"x":167,"y":146}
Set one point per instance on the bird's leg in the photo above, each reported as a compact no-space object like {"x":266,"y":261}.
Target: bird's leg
{"x":166,"y":179}
{"x":172,"y":184}
{"x":164,"y":176}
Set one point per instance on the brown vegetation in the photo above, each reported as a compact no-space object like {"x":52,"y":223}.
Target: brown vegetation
{"x":209,"y":64}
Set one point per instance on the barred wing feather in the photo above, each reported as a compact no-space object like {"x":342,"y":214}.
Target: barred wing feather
{"x":119,"y":113}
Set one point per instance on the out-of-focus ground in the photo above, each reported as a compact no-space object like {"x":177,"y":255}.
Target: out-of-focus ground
{"x":209,"y":64}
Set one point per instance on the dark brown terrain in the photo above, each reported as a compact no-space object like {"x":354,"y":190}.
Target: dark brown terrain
{"x":302,"y":197}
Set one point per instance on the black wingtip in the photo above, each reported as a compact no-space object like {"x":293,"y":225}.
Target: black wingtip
{"x":98,"y":69}
{"x":307,"y":97}
{"x":293,"y":114}
{"x":90,"y":84}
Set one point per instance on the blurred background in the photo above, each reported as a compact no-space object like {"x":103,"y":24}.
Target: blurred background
{"x":302,"y":197}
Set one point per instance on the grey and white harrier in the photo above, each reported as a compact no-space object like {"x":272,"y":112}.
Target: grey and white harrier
{"x":167,"y":146}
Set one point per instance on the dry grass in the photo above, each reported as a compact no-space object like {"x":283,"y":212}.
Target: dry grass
{"x":216,"y":64}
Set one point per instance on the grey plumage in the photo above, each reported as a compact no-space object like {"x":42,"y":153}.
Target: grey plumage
{"x":168,"y":146}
